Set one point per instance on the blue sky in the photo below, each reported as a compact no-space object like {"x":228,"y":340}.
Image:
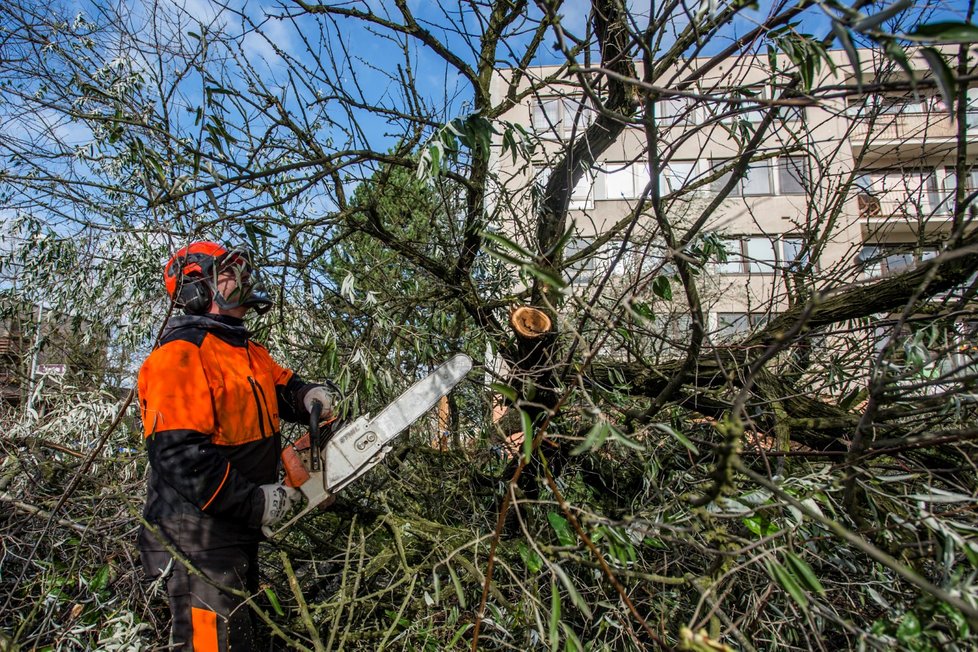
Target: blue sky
{"x":374,"y":59}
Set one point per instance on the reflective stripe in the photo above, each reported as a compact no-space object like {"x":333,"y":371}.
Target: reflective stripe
{"x":261,"y":418}
{"x":227,"y":472}
{"x":268,"y":413}
{"x":205,"y":630}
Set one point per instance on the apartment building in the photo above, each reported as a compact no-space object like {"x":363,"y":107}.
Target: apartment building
{"x":843,"y":190}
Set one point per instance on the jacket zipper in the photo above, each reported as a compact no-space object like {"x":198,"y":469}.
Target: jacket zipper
{"x":261,"y":418}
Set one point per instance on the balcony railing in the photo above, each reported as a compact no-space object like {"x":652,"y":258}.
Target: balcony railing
{"x":902,"y":205}
{"x":903,"y":126}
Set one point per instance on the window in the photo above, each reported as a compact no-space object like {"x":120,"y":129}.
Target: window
{"x":761,"y":254}
{"x":675,"y":111}
{"x":731,"y":324}
{"x":580,"y":271}
{"x":734,"y":264}
{"x":793,"y":175}
{"x":625,"y":180}
{"x":935,"y":104}
{"x":756,"y":180}
{"x":581,"y":197}
{"x":793,"y":253}
{"x":884,"y":260}
{"x":971,"y":115}
{"x":546,"y":115}
{"x":597,"y":263}
{"x":942,"y":185}
{"x":897,"y":105}
{"x":557,"y":116}
{"x":674,"y":175}
{"x":619,"y":183}
{"x":742,"y":105}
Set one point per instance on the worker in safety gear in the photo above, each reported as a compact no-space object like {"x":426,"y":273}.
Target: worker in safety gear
{"x":211,"y":401}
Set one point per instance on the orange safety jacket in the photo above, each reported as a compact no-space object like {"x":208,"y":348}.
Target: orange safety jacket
{"x":211,"y":401}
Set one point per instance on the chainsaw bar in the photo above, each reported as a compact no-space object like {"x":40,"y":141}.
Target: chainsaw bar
{"x":360,"y":445}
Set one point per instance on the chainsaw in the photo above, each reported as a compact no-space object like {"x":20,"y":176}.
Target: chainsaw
{"x":320,"y":468}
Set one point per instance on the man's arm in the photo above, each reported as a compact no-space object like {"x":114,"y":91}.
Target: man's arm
{"x":294,"y":394}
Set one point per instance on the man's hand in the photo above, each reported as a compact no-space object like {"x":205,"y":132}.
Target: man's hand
{"x":321,"y":395}
{"x":279,"y":500}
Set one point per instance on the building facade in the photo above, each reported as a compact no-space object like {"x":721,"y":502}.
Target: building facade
{"x":841,"y":190}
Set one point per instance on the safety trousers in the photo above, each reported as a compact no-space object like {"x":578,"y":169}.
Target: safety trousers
{"x":206,"y":616}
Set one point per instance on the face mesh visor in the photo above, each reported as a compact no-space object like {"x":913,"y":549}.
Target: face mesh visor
{"x":249,"y":289}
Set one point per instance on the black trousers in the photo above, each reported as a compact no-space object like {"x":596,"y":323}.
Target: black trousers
{"x":206,"y":615}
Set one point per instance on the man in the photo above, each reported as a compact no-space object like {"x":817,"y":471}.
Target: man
{"x":211,"y":400}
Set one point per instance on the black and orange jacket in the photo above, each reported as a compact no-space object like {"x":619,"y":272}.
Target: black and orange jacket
{"x":211,"y":401}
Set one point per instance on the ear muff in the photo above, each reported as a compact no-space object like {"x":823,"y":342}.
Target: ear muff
{"x":195,"y":295}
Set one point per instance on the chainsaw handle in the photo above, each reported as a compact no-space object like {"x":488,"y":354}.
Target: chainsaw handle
{"x":314,"y":416}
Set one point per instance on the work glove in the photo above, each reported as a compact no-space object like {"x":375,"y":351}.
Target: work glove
{"x":279,"y":500}
{"x":322,"y":395}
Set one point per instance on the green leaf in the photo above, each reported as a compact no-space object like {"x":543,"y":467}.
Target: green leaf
{"x":530,"y":557}
{"x":895,"y":52}
{"x":506,"y":243}
{"x":871,"y":21}
{"x":560,"y":525}
{"x":565,"y":237}
{"x":509,"y":144}
{"x":680,"y":437}
{"x":458,"y":635}
{"x":642,"y":311}
{"x":943,"y":75}
{"x":760,"y":525}
{"x":505,"y":257}
{"x":575,"y":597}
{"x":596,"y":436}
{"x":554,"y":614}
{"x":945,"y":32}
{"x":804,"y":571}
{"x":505,"y":390}
{"x":101,"y":578}
{"x":623,"y":439}
{"x":909,"y":628}
{"x":971,"y":554}
{"x":853,"y":397}
{"x":661,"y":288}
{"x":845,"y":40}
{"x":435,"y":150}
{"x":459,"y":593}
{"x":620,"y":545}
{"x":788,"y":583}
{"x":546,"y":276}
{"x":571,"y":642}
{"x":956,"y":617}
{"x":654,"y":543}
{"x":273,"y":600}
{"x":527,"y":422}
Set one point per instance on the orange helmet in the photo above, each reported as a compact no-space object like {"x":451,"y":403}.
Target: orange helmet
{"x":191,"y":278}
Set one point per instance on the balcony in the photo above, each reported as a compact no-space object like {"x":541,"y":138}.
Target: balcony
{"x":886,"y":129}
{"x":923,"y":206}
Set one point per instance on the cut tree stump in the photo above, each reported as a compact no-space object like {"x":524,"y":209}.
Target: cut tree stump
{"x":529,"y":323}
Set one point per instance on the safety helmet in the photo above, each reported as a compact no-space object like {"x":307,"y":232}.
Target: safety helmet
{"x":191,"y":278}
